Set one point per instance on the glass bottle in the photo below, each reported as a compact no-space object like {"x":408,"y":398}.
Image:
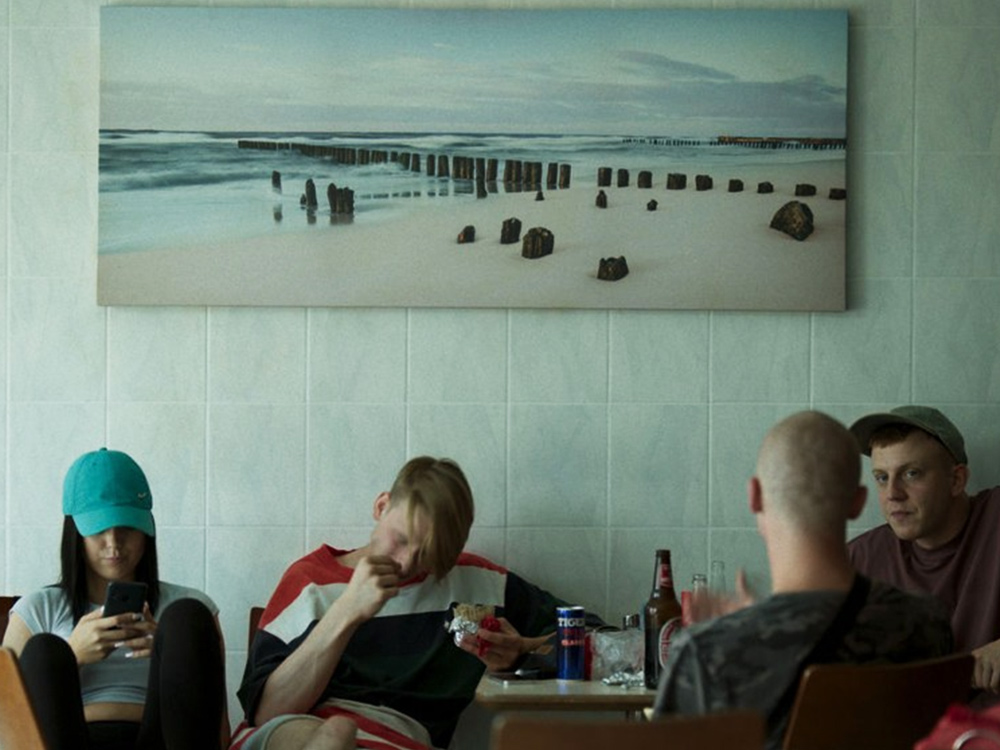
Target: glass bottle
{"x":717,"y":579}
{"x":662,"y":617}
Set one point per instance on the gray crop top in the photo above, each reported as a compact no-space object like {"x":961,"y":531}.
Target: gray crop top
{"x":116,"y":679}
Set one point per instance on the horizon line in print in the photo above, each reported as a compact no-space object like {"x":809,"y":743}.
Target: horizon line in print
{"x":339,"y":157}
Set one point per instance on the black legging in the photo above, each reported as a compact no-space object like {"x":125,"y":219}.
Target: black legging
{"x":184,"y":700}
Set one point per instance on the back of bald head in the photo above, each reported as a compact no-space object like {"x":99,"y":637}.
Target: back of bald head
{"x":809,"y":468}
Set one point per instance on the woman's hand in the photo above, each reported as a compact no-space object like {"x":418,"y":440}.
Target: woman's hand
{"x":96,"y":636}
{"x":141,"y":644}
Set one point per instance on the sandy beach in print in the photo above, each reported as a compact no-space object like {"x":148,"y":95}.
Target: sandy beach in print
{"x":698,"y":249}
{"x":186,"y":214}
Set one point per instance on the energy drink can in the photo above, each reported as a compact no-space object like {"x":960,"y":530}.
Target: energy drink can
{"x":571,"y":647}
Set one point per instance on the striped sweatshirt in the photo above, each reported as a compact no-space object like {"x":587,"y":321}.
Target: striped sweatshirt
{"x":403,"y":658}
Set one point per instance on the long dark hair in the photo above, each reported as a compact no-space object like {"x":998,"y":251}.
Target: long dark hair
{"x":73,"y":576}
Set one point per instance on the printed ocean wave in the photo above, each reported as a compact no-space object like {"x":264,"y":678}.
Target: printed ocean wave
{"x":150,"y":181}
{"x":152,"y":160}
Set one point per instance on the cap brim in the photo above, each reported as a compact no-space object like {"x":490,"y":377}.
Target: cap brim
{"x":864,"y":427}
{"x":96,"y":521}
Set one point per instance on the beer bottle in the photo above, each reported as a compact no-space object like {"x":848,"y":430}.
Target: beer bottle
{"x":662,"y":618}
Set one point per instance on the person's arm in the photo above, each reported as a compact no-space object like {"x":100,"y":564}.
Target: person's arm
{"x":529,"y":622}
{"x":298,"y":682}
{"x":501,"y":650}
{"x":17,"y":633}
{"x":706,"y":604}
{"x":93,"y":638}
{"x":682,"y":683}
{"x":986,"y":675}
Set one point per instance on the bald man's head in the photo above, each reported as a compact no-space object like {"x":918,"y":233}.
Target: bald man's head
{"x":809,"y":468}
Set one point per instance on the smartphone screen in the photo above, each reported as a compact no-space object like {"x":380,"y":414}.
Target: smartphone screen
{"x":124,"y":597}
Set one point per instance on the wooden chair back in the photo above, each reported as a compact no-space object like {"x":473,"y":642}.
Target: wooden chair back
{"x":255,"y":613}
{"x":875,"y":706}
{"x":19,"y":728}
{"x":737,"y":730}
{"x":6,"y":602}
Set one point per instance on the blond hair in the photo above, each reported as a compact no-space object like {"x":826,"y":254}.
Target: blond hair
{"x":437,"y":488}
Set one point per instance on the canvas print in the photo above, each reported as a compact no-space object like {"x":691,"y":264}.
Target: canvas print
{"x":628,"y":159}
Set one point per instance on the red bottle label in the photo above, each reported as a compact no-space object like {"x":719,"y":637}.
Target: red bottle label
{"x":664,"y":579}
{"x":667,"y":632}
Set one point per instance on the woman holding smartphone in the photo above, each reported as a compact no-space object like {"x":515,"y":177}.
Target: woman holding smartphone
{"x":151,"y":676}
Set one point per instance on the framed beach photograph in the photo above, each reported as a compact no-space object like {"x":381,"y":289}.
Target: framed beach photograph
{"x":618,"y":159}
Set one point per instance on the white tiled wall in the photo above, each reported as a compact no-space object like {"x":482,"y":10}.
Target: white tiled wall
{"x":590,"y":437}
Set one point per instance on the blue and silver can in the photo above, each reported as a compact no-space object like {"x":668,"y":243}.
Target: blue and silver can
{"x":571,"y":646}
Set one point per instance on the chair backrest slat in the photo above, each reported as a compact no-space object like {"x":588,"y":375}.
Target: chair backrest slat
{"x":875,"y":706}
{"x":255,"y":613}
{"x":18,"y":725}
{"x":737,"y":730}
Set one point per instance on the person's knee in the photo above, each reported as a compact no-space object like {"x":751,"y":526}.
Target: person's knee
{"x":45,"y":652}
{"x":187,"y":620}
{"x":308,"y":733}
{"x":187,"y":613}
{"x":338,"y":733}
{"x":187,"y":637}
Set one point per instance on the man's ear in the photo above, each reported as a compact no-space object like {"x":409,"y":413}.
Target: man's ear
{"x":959,"y":479}
{"x":858,"y":504}
{"x":382,"y":503}
{"x":755,"y":497}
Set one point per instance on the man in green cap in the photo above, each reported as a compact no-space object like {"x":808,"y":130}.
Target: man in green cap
{"x":937,"y":539}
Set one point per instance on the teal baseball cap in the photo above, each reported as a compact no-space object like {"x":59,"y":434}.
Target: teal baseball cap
{"x":104,"y":489}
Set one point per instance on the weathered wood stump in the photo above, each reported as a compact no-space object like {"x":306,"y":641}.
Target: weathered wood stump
{"x":612,"y":269}
{"x":533,"y":174}
{"x":468,"y":234}
{"x":276,"y":181}
{"x":510,"y":232}
{"x":602,"y":199}
{"x":677,"y":181}
{"x":702,"y":182}
{"x":341,"y":199}
{"x":512,"y":172}
{"x":311,"y":201}
{"x":736,"y":186}
{"x":804,"y":190}
{"x":838,"y":194}
{"x":645,"y":179}
{"x":604,"y":177}
{"x":539,"y":196}
{"x":623,"y":178}
{"x":794,"y":219}
{"x":652,"y":205}
{"x":538,"y":242}
{"x":565,"y":174}
{"x":764,"y":188}
{"x":552,"y":176}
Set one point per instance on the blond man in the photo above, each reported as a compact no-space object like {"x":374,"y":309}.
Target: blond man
{"x":353,"y":650}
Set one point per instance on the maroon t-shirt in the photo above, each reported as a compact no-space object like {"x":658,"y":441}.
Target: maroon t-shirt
{"x":964,"y":574}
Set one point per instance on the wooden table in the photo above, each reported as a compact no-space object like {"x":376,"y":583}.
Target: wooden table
{"x":561,"y":695}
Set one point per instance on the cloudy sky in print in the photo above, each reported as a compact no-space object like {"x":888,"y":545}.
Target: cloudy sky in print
{"x":597,"y":72}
